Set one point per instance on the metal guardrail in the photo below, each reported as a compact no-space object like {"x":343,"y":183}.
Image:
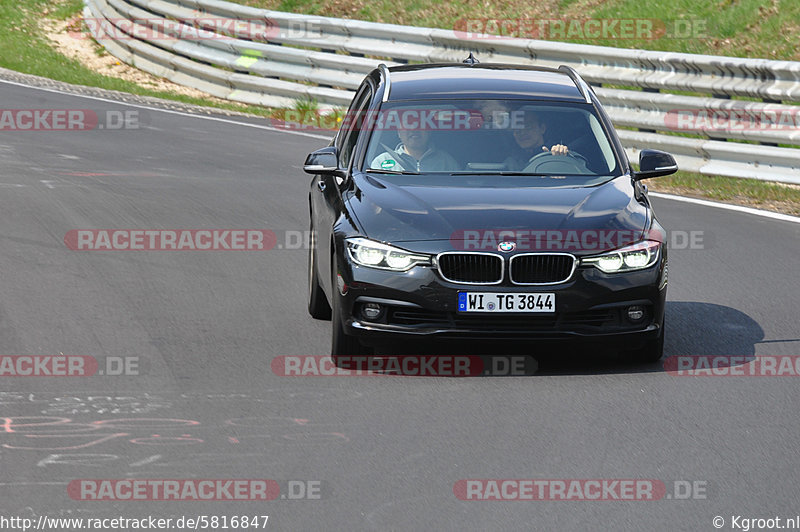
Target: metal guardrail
{"x":325,"y":59}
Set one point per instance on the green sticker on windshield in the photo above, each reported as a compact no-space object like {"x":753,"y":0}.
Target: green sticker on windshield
{"x":388,"y":164}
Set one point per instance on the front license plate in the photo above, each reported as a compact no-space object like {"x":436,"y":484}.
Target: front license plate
{"x":506,"y":302}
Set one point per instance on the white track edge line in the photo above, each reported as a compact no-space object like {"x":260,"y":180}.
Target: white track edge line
{"x":729,"y":207}
{"x":180,"y":113}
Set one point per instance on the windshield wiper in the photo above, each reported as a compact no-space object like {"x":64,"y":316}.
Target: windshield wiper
{"x":500,"y":173}
{"x":392,"y":172}
{"x":532,"y":175}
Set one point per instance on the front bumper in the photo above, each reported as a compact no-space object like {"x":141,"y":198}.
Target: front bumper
{"x":420,"y":304}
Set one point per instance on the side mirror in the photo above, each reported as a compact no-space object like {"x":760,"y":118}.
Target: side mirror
{"x":654,"y":163}
{"x":323,"y":161}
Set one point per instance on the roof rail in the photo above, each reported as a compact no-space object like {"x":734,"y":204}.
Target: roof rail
{"x":583,"y":87}
{"x":385,"y":71}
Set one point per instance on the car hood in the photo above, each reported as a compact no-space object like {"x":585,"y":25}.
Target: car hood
{"x":406,"y":214}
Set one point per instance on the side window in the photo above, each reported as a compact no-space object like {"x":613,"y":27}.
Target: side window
{"x":354,"y":118}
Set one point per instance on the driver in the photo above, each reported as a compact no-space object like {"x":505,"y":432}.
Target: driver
{"x":530,"y":142}
{"x":415,"y":153}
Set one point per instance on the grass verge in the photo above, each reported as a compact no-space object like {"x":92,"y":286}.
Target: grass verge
{"x":766,"y":195}
{"x":739,"y":28}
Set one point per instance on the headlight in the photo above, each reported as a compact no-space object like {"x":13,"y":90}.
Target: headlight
{"x":383,"y":256}
{"x":634,"y":257}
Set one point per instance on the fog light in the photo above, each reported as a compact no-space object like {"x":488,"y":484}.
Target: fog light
{"x":371,"y":311}
{"x":635,"y":313}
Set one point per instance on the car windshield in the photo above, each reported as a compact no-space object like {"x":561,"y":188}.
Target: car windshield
{"x":560,"y":144}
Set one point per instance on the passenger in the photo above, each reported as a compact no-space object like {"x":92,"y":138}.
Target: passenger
{"x":415,"y":153}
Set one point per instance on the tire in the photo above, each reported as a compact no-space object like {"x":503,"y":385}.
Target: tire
{"x":650,"y":352}
{"x":318,"y":305}
{"x":342,"y":344}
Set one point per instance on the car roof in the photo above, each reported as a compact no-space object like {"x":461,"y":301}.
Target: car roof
{"x":481,"y":81}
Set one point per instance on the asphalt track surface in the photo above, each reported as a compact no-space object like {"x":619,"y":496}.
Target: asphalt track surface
{"x":388,"y":451}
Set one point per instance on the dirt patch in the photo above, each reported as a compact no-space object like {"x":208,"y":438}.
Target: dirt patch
{"x":71,"y":39}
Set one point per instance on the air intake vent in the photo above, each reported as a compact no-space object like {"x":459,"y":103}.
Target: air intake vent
{"x":471,"y":268}
{"x":541,"y":268}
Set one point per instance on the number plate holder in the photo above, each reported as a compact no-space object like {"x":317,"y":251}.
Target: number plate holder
{"x":507,"y":302}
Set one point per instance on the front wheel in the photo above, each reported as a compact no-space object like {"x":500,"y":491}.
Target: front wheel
{"x":318,"y":306}
{"x":650,"y":352}
{"x":342,"y":344}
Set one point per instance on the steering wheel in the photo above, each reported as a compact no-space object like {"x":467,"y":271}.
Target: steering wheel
{"x":574,"y":163}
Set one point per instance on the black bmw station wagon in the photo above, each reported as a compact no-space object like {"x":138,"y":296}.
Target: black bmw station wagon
{"x":484,"y":201}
